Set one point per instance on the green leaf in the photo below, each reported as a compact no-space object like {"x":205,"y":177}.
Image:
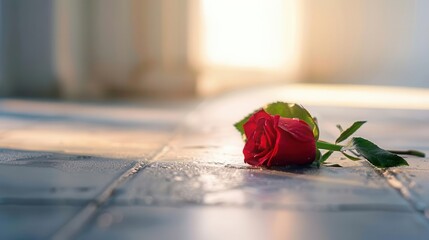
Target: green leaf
{"x":325,"y":156}
{"x":293,"y":110}
{"x":353,"y":158}
{"x":289,"y":110}
{"x":375,"y":155}
{"x":349,"y":131}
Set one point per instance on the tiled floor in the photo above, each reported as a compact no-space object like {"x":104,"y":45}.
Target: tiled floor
{"x":162,"y":170}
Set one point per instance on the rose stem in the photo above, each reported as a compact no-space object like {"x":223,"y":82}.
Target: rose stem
{"x":334,"y":147}
{"x":409,"y":152}
{"x":328,"y":146}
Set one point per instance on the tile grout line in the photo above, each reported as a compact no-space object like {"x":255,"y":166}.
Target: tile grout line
{"x":84,"y":215}
{"x":417,"y":205}
{"x":71,"y":228}
{"x":77,"y":222}
{"x":392,"y":180}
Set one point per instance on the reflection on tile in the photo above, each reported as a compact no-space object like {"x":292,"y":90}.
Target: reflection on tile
{"x":136,"y":222}
{"x":176,"y":184}
{"x":413,"y":184}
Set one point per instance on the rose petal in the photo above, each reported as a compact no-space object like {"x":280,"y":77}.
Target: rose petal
{"x":273,"y":140}
{"x":250,"y":148}
{"x":298,"y":128}
{"x":258,"y":145}
{"x":295,"y":143}
{"x":251,"y":125}
{"x":270,"y":132}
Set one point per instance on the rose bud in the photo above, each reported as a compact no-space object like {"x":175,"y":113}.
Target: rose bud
{"x":278,"y":141}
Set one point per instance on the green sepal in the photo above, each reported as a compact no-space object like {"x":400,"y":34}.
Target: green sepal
{"x":325,"y":156}
{"x":349,"y":131}
{"x":328,"y":146}
{"x":318,"y":155}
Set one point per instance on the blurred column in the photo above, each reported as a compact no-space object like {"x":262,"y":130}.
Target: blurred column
{"x":95,"y":51}
{"x":3,"y":82}
{"x":114,"y":58}
{"x":72,"y":48}
{"x":8,"y":46}
{"x":165,"y":34}
{"x":28,"y":67}
{"x":125,"y":48}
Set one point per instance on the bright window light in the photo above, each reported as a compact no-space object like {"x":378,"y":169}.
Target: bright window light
{"x":250,"y":33}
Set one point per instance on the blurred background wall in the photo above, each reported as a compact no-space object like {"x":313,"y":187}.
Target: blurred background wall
{"x":102,"y":48}
{"x":383,"y":42}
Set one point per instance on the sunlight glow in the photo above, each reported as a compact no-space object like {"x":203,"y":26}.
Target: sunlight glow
{"x":250,"y":33}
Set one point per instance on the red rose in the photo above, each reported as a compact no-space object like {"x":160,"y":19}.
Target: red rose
{"x":278,"y":141}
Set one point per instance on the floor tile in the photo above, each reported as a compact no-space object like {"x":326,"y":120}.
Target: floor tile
{"x":57,"y":178}
{"x":33,"y":222}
